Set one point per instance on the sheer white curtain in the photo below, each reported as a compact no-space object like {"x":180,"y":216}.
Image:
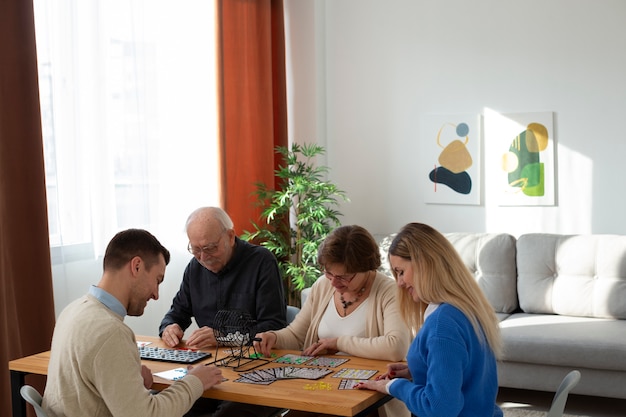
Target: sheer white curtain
{"x":128,"y":103}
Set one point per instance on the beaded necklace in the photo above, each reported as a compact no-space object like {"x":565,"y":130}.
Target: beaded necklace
{"x":345,"y":304}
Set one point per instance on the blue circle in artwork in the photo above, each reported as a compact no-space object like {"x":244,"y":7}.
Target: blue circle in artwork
{"x":462,"y":129}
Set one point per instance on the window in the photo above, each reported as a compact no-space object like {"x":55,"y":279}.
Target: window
{"x":128,"y":103}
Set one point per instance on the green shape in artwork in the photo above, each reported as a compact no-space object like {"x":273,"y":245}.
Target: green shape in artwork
{"x":535,"y":175}
{"x":525,"y":157}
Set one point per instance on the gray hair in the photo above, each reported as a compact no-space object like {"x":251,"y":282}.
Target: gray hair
{"x":208,"y":213}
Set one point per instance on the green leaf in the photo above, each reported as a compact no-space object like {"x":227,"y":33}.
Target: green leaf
{"x":297,"y":217}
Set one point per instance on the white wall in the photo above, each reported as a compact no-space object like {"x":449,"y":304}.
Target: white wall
{"x":372,"y":68}
{"x":362,"y":72}
{"x":72,"y":280}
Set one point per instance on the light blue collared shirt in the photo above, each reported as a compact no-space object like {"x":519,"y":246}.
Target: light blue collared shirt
{"x":108,"y":300}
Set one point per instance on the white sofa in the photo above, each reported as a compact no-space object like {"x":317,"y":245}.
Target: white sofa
{"x":561,"y":300}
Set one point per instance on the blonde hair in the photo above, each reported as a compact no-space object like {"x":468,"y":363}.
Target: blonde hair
{"x":440,"y":276}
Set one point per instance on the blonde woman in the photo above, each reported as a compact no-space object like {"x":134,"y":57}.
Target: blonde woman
{"x":451,"y":364}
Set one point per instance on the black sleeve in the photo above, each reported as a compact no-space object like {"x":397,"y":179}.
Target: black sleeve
{"x":180,"y":312}
{"x":271,"y":308}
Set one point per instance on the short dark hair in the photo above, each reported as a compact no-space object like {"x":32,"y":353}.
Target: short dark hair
{"x":352,"y":246}
{"x":127,"y":244}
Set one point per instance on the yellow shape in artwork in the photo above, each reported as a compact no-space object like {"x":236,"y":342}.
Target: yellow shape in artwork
{"x":455,"y":157}
{"x":536,"y":137}
{"x":510,"y":162}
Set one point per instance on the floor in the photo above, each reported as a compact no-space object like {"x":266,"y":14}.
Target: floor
{"x":576,"y":404}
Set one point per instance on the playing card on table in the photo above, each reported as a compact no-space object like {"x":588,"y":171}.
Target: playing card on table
{"x":293,"y":359}
{"x":173,"y":374}
{"x":326,"y":361}
{"x":251,"y":381}
{"x":310,"y":373}
{"x":257,"y":377}
{"x":349,"y":373}
{"x":349,"y":383}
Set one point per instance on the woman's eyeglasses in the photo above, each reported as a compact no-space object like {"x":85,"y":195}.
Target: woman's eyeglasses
{"x":343,"y":277}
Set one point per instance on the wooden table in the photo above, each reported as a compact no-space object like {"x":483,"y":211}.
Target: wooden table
{"x":296,"y":394}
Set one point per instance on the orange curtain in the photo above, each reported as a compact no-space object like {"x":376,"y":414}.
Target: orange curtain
{"x":252,"y":101}
{"x":26,"y":300}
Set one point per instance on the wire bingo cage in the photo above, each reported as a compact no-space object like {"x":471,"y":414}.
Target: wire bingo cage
{"x":234,"y":329}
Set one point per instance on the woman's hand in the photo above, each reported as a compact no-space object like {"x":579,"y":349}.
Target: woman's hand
{"x":327,"y":346}
{"x":379,"y":385}
{"x":396,"y":370}
{"x":266,"y":343}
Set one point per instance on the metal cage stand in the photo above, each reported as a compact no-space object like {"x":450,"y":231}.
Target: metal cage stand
{"x":233,"y":329}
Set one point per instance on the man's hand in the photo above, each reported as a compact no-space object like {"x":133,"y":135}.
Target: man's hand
{"x":172,"y":335}
{"x":210,"y":375}
{"x":146,"y":374}
{"x":202,"y":338}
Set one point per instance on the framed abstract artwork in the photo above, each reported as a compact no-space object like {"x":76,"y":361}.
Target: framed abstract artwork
{"x":450,"y":158}
{"x":519,"y":158}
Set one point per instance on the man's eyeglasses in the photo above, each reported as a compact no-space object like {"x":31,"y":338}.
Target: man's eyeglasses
{"x":206,"y":250}
{"x":344,"y":277}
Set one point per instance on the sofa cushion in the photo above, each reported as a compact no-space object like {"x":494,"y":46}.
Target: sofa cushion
{"x":576,"y":342}
{"x":490,"y":257}
{"x":383,"y":248}
{"x":576,"y":275}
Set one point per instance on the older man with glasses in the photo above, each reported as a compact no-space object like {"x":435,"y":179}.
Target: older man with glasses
{"x":226,"y":273}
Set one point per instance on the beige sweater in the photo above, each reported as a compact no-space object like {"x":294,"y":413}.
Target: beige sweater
{"x":95,"y":369}
{"x":387,"y":337}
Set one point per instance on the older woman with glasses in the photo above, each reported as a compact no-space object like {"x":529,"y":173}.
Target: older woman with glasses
{"x":354,"y":310}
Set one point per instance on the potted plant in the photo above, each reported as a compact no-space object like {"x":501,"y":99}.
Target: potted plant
{"x":298,"y":216}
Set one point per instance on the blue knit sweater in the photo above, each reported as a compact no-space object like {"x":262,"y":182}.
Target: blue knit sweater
{"x":453,"y":373}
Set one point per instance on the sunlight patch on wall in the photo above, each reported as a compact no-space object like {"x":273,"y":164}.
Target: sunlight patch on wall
{"x":571,"y":184}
